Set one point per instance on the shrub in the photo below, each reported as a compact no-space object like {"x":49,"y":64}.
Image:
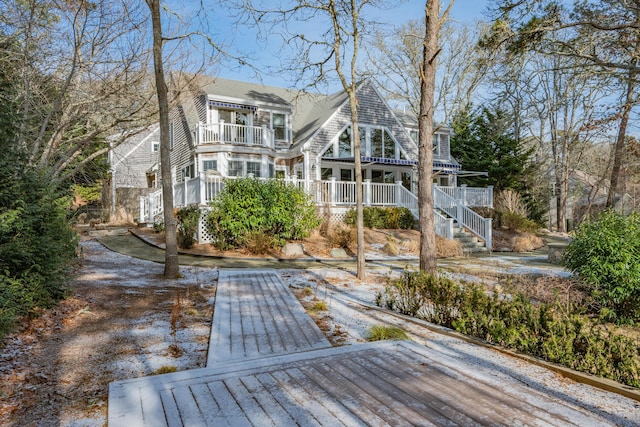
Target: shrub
{"x":187,"y":224}
{"x":377,"y":217}
{"x":341,"y":236}
{"x":526,"y":242}
{"x":258,"y":242}
{"x":553,"y":331}
{"x":604,"y":254}
{"x":516,"y":222}
{"x":273,"y":207}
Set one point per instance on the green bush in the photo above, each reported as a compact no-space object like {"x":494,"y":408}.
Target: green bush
{"x":517,"y":222}
{"x":605,"y":254}
{"x":552,"y":331}
{"x":272,"y":207}
{"x":187,"y":224}
{"x":377,"y":217}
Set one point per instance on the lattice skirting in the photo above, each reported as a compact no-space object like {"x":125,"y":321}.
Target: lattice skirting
{"x":336,"y":216}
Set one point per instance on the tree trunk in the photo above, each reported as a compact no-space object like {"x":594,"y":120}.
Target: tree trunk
{"x":425,"y":138}
{"x":171,"y":265}
{"x":618,"y":152}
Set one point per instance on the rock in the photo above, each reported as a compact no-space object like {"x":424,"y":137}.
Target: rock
{"x":338,"y":253}
{"x":293,"y":250}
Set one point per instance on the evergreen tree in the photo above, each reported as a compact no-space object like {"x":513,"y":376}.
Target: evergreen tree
{"x":483,"y":141}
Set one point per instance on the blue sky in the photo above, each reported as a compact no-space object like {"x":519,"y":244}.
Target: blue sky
{"x":269,"y":54}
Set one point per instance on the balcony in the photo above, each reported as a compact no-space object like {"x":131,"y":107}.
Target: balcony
{"x":228,"y":133}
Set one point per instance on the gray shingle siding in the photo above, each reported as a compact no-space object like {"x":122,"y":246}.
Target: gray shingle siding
{"x":372,"y":110}
{"x":131,"y":159}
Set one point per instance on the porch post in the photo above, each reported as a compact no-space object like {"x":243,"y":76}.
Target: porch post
{"x":398,"y":194}
{"x":333,"y":187}
{"x":221,"y":135}
{"x":198,"y":134}
{"x":367,"y":192}
{"x":142,"y":215}
{"x":490,"y":195}
{"x":203,"y":188}
{"x":463,"y":194}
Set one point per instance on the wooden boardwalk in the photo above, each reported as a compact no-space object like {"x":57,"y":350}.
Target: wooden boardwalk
{"x":269,"y":365}
{"x":256,"y":315}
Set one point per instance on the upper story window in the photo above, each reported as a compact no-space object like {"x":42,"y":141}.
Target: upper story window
{"x":155,"y":146}
{"x":440,"y":143}
{"x":279,"y":125}
{"x":374,"y":142}
{"x":413,"y":133}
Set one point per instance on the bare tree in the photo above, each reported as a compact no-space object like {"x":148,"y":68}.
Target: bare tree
{"x":171,"y":262}
{"x":83,"y":76}
{"x":607,"y":36}
{"x":318,"y":60}
{"x":461,"y":66}
{"x":431,"y":48}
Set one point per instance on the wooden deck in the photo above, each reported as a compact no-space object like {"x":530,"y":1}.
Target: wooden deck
{"x":387,"y":383}
{"x":269,"y":365}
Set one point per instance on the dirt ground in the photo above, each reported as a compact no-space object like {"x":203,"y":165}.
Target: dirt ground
{"x":122,"y":320}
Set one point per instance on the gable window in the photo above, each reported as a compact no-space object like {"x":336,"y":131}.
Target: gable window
{"x":279,"y":124}
{"x":413,"y":133}
{"x":382,"y":145}
{"x":344,"y":143}
{"x":155,"y":146}
{"x":436,"y":143}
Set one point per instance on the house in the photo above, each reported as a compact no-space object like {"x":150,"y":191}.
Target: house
{"x":225,"y":129}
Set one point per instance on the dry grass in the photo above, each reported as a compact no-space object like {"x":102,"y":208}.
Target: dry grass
{"x":341,"y":236}
{"x":510,"y":201}
{"x":446,"y":248}
{"x":526,"y":242}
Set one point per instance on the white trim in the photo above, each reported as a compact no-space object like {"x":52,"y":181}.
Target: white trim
{"x":251,"y":102}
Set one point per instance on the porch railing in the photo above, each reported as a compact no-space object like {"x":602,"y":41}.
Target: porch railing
{"x":464,"y":216}
{"x":471,"y":196}
{"x":201,"y":190}
{"x":229,"y":133}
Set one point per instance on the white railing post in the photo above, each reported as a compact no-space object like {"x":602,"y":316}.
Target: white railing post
{"x":263,"y":137}
{"x":333,"y":187}
{"x":367,"y":192}
{"x":199,"y":130}
{"x":463,"y":194}
{"x":488,"y":229}
{"x":142,"y":214}
{"x":398,"y":194}
{"x":221,"y":132}
{"x":203,"y":189}
{"x":490,"y":195}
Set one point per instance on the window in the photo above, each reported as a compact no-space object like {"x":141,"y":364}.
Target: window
{"x":345,"y":175}
{"x":209,"y":165}
{"x":376,"y":176}
{"x":344,"y":143}
{"x":254,"y":168}
{"x":406,"y":180}
{"x":188,"y":171}
{"x":436,"y":143}
{"x":171,"y":138}
{"x":235,"y":168}
{"x":326,"y":173}
{"x":272,"y":170}
{"x":279,"y":124}
{"x":376,"y":142}
{"x":413,"y":133}
{"x":155,"y":146}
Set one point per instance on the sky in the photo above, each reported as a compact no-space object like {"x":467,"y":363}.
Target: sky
{"x":267,"y":54}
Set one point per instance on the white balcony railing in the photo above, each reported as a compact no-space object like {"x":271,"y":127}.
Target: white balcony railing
{"x":228,"y":133}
